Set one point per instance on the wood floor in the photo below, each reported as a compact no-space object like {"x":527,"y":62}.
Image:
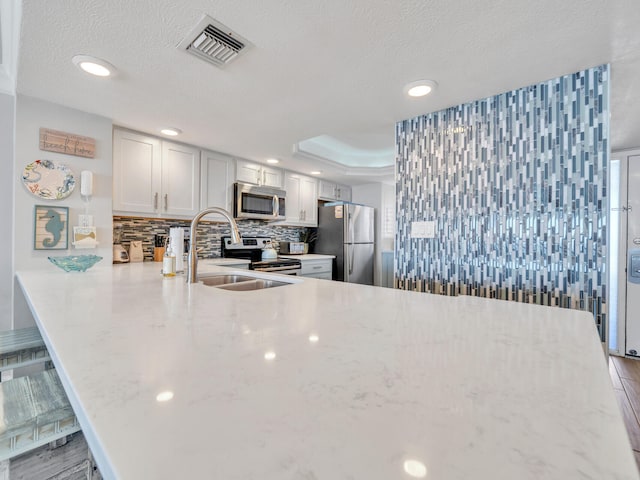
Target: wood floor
{"x":70,"y":460}
{"x":625,"y":375}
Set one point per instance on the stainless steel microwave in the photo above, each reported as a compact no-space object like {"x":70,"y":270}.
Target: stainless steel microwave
{"x":263,"y":203}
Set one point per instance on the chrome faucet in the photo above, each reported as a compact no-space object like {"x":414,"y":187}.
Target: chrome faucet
{"x":192,"y":259}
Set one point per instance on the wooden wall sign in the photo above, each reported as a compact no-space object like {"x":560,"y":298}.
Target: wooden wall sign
{"x":62,"y":142}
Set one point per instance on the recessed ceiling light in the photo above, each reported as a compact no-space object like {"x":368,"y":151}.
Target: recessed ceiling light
{"x":164,"y":396}
{"x":420,"y":88}
{"x":315,"y":172}
{"x":415,"y":468}
{"x":273,"y":160}
{"x":94,"y":66}
{"x":172,"y":132}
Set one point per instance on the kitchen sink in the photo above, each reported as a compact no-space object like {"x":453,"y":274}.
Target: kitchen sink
{"x":254,"y":284}
{"x":240,"y":282}
{"x":217,"y":280}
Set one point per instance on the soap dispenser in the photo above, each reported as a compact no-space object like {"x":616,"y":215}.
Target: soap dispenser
{"x":169,"y":261}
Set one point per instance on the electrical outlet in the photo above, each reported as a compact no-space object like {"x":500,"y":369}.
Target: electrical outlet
{"x":426,"y":229}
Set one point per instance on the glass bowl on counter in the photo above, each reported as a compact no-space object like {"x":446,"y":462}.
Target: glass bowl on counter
{"x":75,"y":263}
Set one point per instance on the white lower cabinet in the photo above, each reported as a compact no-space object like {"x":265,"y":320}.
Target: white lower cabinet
{"x":322,"y":275}
{"x":320,"y":268}
{"x":314,"y":265}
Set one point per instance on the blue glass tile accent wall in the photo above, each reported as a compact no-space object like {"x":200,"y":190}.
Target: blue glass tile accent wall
{"x":517,"y":187}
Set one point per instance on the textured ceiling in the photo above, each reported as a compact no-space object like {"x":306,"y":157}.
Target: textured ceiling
{"x":326,"y":67}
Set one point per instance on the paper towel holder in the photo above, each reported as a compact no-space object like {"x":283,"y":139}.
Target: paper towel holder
{"x":85,"y":235}
{"x":86,"y":184}
{"x":176,"y":239}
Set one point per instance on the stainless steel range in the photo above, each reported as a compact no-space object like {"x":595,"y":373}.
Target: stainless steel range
{"x":251,"y":249}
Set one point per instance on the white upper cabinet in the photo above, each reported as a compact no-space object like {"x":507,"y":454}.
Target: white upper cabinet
{"x":272,"y":177}
{"x":248,"y":172}
{"x":154,"y":177}
{"x":293,"y":209}
{"x":180,"y":179}
{"x":136,"y":172}
{"x":334,"y":191}
{"x":157,"y":178}
{"x":257,"y":174}
{"x":309,"y":201}
{"x":302,"y":200}
{"x":216,"y":180}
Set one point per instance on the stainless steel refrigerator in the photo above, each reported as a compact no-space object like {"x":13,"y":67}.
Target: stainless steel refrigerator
{"x":346,"y":231}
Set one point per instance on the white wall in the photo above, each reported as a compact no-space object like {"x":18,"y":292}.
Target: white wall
{"x":31,"y":114}
{"x":382,"y":197}
{"x":7,"y":120}
{"x":10,"y":17}
{"x":388,"y":214}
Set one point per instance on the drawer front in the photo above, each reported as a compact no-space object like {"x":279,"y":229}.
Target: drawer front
{"x":317,"y":266}
{"x":324,"y":275}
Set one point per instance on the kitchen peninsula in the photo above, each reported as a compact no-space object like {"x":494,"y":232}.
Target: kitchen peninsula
{"x":325,"y":380}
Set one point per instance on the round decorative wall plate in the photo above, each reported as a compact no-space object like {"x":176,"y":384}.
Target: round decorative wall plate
{"x":48,"y":180}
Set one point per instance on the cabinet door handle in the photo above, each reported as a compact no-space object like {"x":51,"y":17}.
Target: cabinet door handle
{"x":155,"y":201}
{"x":304,"y":215}
{"x":318,"y":267}
{"x":166,"y":201}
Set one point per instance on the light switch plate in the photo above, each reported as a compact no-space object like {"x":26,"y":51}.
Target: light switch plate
{"x":426,"y":229}
{"x":430,"y":230}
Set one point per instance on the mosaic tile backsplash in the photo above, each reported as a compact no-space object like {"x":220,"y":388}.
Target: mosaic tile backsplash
{"x":517,"y":187}
{"x":209,"y":232}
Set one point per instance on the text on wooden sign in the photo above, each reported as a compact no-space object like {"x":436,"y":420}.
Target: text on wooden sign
{"x":62,"y":142}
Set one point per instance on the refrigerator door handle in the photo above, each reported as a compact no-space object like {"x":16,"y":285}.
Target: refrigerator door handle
{"x":352,"y":234}
{"x":350,"y":259}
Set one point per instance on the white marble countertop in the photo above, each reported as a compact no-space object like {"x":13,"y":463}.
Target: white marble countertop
{"x":325,"y":380}
{"x":309,"y":256}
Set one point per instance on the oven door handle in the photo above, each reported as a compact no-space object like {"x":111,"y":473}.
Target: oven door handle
{"x":276,"y":269}
{"x":276,"y":205}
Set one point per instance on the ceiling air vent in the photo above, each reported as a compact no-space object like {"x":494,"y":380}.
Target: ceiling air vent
{"x":212,"y":41}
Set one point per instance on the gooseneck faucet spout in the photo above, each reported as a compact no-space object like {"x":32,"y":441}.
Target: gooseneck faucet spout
{"x":192,"y":259}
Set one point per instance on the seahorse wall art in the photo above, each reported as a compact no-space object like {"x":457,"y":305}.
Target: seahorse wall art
{"x":50,"y":226}
{"x":54,"y":226}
